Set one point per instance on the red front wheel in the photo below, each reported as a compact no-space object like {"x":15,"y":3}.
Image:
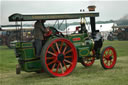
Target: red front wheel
{"x":59,"y":57}
{"x":108,"y":57}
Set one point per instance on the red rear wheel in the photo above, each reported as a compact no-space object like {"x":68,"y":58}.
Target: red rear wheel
{"x":88,"y":61}
{"x":108,"y":57}
{"x":59,"y":57}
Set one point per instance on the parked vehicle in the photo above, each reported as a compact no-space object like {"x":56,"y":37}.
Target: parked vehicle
{"x":9,"y":35}
{"x":3,"y":37}
{"x":119,"y":33}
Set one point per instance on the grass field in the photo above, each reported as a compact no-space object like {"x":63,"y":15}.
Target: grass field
{"x":94,"y":75}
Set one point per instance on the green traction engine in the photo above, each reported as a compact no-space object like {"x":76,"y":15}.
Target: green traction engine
{"x":60,"y":53}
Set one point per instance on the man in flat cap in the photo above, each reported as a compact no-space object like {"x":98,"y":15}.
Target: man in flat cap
{"x":39,"y":32}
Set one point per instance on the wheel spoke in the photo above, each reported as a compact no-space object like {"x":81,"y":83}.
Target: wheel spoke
{"x":108,"y":52}
{"x":61,"y":46}
{"x":110,"y":62}
{"x":111,"y":54}
{"x":65,"y":65}
{"x":57,"y":48}
{"x":64,"y":49}
{"x":107,"y":62}
{"x":57,"y":67}
{"x":61,"y":68}
{"x":53,"y":49}
{"x":51,"y":62}
{"x":68,"y":51}
{"x":52,"y":53}
{"x":68,"y":57}
{"x":67,"y":61}
{"x":50,"y":58}
{"x":53,"y":66}
{"x":104,"y":54}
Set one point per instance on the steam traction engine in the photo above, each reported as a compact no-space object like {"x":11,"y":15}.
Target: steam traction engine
{"x":60,"y":53}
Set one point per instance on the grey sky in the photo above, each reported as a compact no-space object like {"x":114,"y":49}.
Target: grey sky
{"x":108,"y":9}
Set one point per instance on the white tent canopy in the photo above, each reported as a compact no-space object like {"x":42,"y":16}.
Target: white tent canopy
{"x":107,"y":27}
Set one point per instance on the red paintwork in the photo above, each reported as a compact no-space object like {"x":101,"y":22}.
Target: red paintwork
{"x":57,"y":65}
{"x":89,"y":63}
{"x":76,"y":39}
{"x":109,"y":52}
{"x":48,"y":34}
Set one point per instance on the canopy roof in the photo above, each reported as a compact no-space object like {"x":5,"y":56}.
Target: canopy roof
{"x":33,"y":17}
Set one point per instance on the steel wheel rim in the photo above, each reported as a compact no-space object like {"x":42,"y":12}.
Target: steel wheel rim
{"x":109,"y":57}
{"x":89,"y":60}
{"x":56,"y":65}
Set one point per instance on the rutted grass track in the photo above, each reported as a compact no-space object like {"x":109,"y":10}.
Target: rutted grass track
{"x":94,"y":75}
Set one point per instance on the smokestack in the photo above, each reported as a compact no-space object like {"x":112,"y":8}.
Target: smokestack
{"x":92,"y":19}
{"x":91,"y":8}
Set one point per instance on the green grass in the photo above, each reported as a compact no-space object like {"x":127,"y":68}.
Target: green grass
{"x":94,"y":75}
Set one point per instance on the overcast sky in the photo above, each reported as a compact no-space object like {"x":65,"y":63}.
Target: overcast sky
{"x":108,"y":9}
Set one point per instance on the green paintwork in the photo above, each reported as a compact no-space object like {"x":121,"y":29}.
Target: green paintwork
{"x":83,"y":51}
{"x":31,"y":66}
{"x":80,"y":42}
{"x":24,"y":17}
{"x":24,"y":44}
{"x":83,"y":45}
{"x":26,"y":53}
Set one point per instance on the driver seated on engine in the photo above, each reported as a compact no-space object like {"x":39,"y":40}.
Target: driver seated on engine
{"x":39,"y":32}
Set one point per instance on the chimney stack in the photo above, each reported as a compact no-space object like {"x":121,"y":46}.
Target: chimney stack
{"x":91,"y":8}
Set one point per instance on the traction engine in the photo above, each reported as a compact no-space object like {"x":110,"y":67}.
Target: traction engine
{"x":60,"y":53}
